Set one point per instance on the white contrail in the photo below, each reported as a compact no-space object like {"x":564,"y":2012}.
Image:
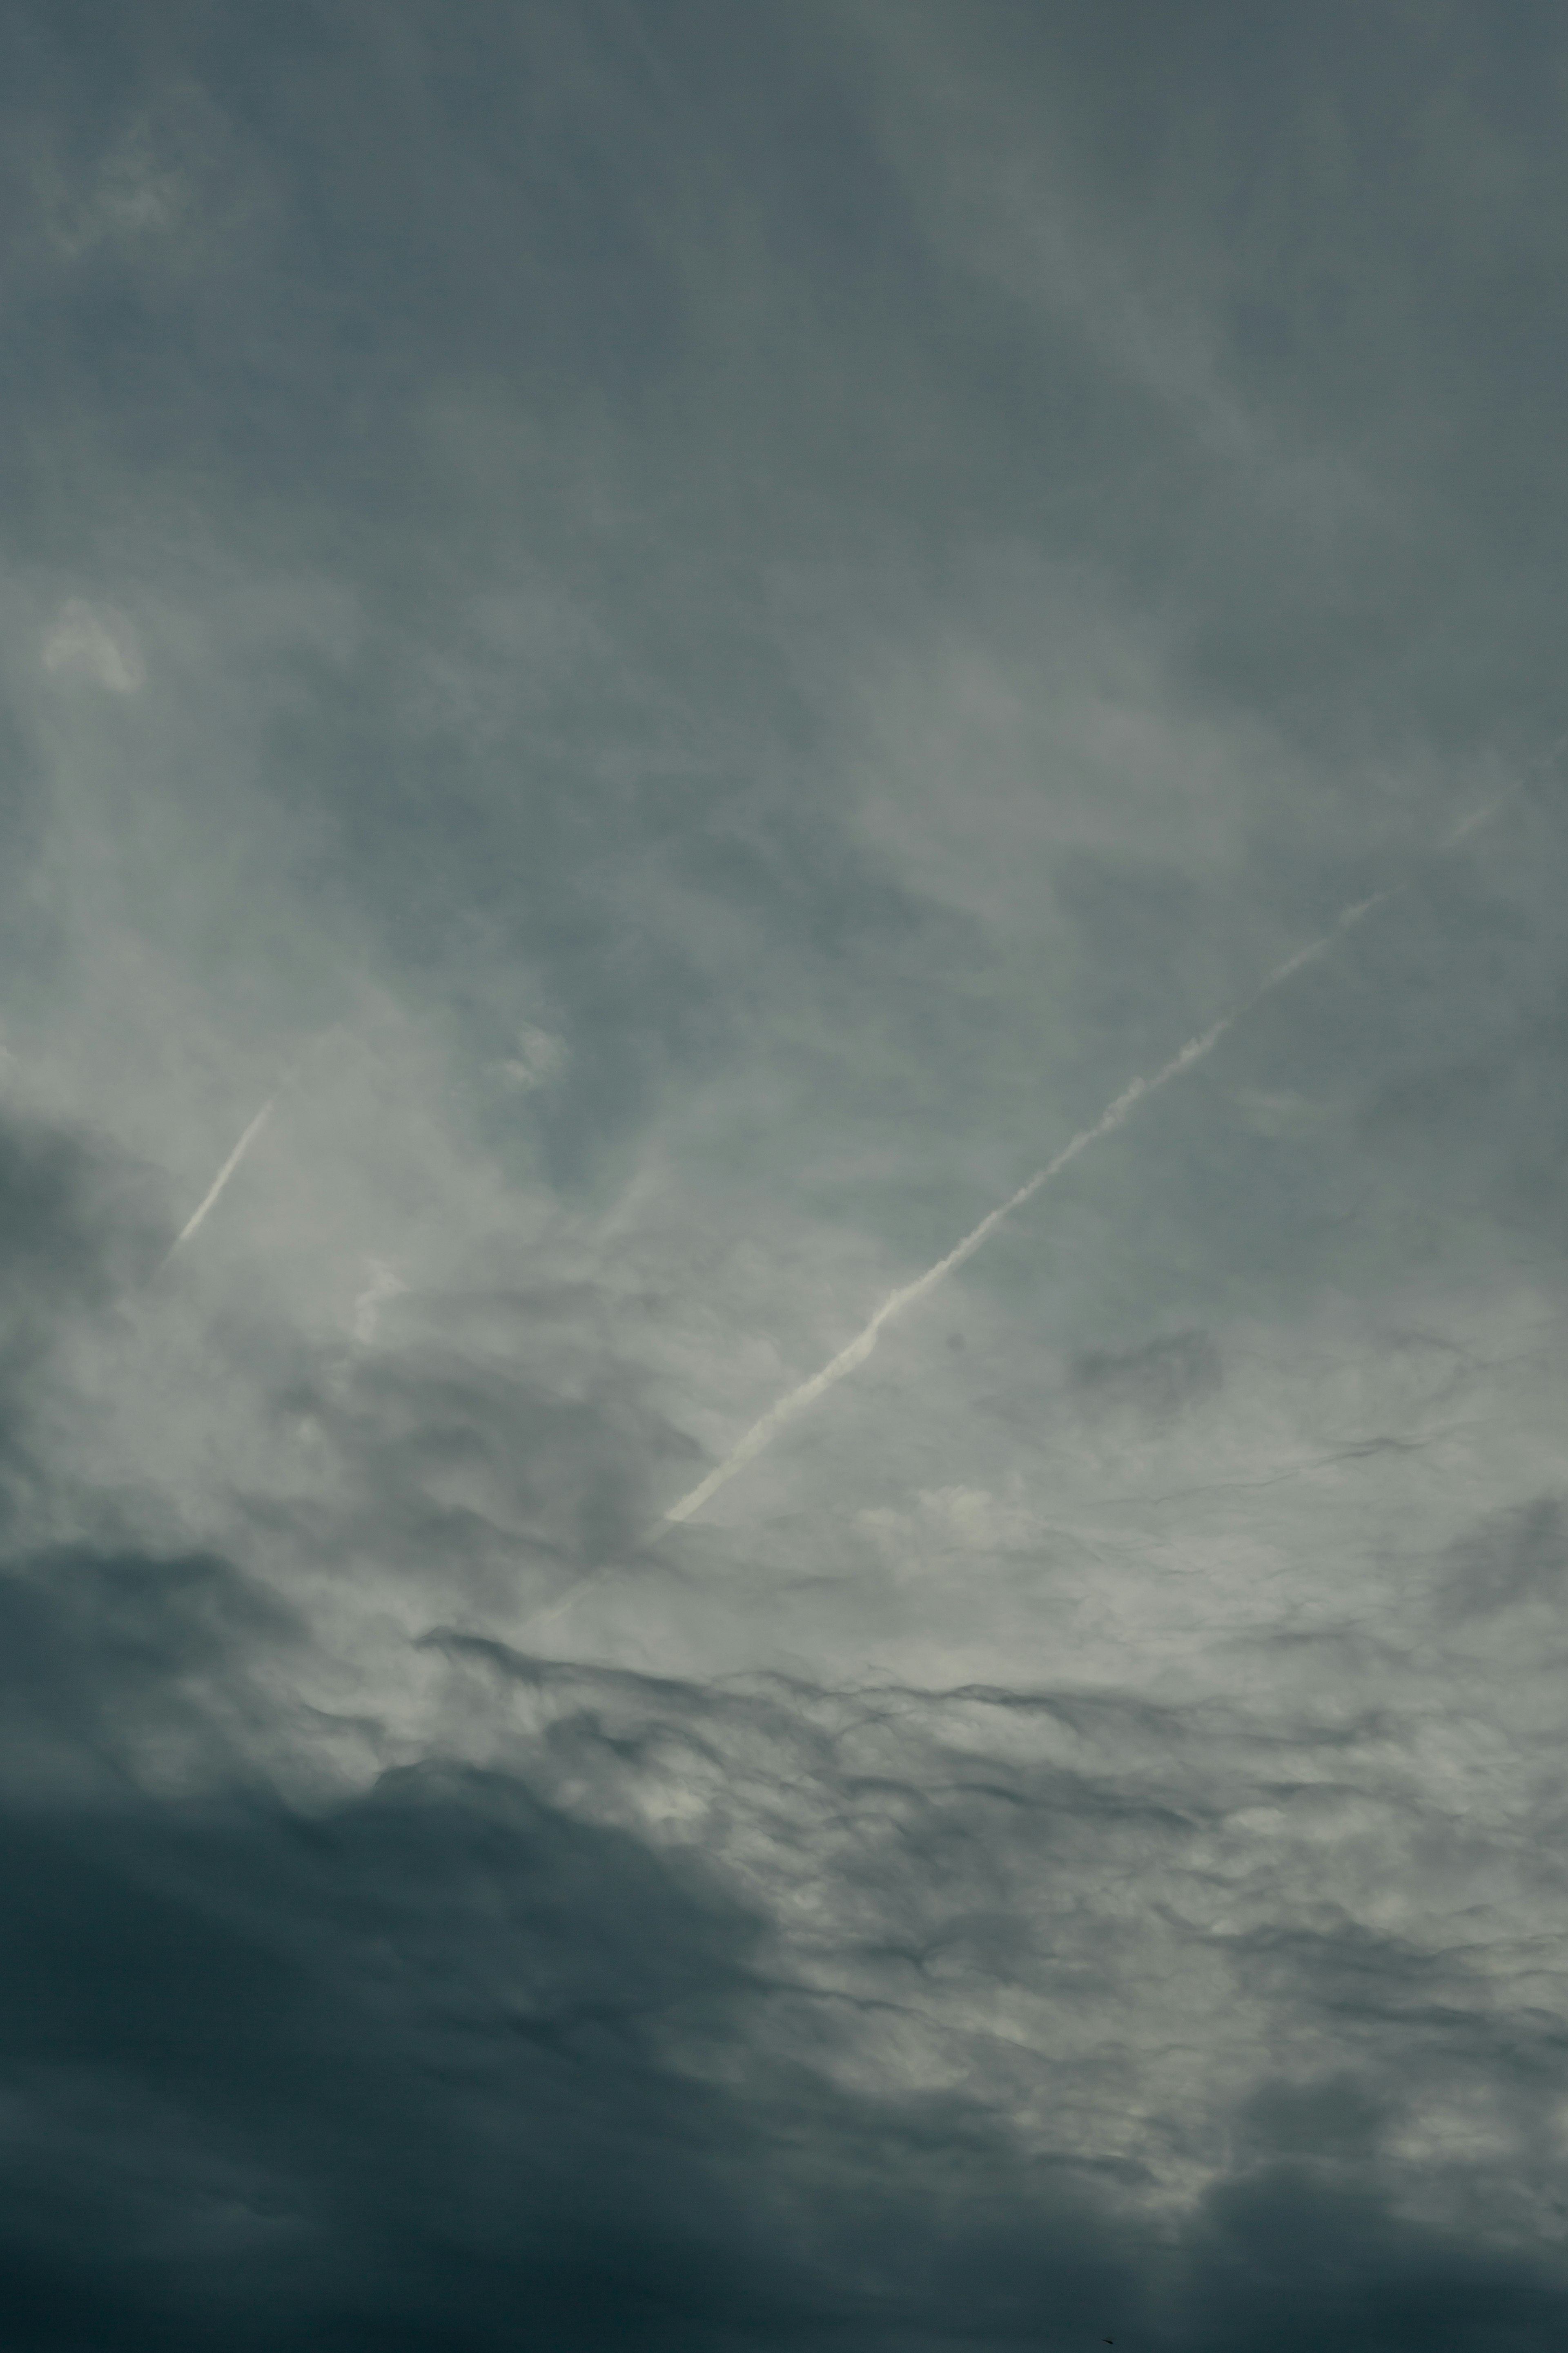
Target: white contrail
{"x":295,"y":1071}
{"x":221,"y":1179}
{"x":764,"y":1432}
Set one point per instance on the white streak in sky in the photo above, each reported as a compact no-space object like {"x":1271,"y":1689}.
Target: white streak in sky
{"x":384,"y":1284}
{"x":764,"y":1432}
{"x":221,"y":1179}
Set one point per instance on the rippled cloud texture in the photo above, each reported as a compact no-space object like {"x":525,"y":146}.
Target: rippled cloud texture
{"x":648,"y":650}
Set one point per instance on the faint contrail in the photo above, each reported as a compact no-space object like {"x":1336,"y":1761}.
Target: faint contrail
{"x":221,"y":1179}
{"x":764,"y":1432}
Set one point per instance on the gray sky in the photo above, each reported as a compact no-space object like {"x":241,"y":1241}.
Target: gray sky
{"x":687,"y":633}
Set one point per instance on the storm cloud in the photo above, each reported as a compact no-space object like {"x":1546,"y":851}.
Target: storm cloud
{"x":685,"y":636}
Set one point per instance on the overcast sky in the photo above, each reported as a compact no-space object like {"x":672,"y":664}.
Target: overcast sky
{"x":654,"y":646}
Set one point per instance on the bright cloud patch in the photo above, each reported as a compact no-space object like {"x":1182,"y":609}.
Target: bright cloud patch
{"x":96,"y":647}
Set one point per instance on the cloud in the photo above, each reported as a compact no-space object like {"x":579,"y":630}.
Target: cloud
{"x":1519,"y":1555}
{"x":98,"y":647}
{"x":538,"y":1059}
{"x":1156,"y":1380}
{"x":384,"y":1284}
{"x":710,"y":625}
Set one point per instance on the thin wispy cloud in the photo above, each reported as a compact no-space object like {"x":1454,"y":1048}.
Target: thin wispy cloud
{"x":101,"y":648}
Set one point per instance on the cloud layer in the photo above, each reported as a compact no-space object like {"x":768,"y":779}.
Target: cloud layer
{"x":685,"y":638}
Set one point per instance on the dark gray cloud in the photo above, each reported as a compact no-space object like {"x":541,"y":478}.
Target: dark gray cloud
{"x":1516,"y":1556}
{"x":1156,"y":1380}
{"x":686,"y":637}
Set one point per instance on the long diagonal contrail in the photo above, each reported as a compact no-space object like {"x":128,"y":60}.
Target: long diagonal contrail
{"x":763,"y":1433}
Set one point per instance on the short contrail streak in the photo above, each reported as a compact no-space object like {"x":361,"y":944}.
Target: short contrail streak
{"x":763,"y":1433}
{"x":289,"y":1076}
{"x":221,"y":1179}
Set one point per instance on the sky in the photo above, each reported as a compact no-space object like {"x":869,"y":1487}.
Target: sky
{"x":649,"y":650}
